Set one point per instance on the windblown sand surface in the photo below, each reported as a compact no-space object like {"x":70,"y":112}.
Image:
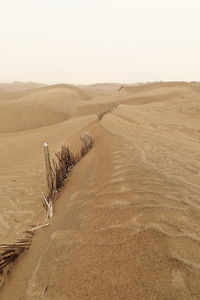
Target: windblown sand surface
{"x":127,"y":223}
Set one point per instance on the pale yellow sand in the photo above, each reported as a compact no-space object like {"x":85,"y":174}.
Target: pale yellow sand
{"x":127,"y":223}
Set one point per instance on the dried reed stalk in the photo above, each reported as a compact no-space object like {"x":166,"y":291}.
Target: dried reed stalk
{"x":10,"y":252}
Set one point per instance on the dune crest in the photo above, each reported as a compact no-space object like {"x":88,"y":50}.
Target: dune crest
{"x":127,"y":222}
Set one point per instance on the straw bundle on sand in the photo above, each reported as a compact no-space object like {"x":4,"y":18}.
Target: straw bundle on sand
{"x":10,"y":252}
{"x":63,"y":162}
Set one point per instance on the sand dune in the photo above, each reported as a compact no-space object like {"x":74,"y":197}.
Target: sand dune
{"x":17,"y":89}
{"x":127,"y":223}
{"x":103,"y":89}
{"x":46,"y":106}
{"x":39,"y":108}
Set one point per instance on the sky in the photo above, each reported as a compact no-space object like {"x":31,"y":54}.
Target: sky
{"x":89,"y":41}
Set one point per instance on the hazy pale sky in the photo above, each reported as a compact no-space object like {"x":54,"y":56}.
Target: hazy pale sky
{"x":87,"y":41}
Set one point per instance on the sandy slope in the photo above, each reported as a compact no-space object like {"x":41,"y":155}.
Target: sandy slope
{"x":17,"y":89}
{"x":127,"y":224}
{"x":51,"y":113}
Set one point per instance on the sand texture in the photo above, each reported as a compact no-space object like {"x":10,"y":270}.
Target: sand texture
{"x":127,"y":222}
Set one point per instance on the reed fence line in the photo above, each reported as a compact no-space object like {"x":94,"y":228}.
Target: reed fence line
{"x":57,"y":171}
{"x":106,"y":111}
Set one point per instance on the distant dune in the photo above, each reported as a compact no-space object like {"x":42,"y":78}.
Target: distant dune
{"x":47,"y":105}
{"x":18,"y":86}
{"x":127,"y":222}
{"x":16,"y":89}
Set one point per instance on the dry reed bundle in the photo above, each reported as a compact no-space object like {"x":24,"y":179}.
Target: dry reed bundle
{"x":60,"y":167}
{"x":106,"y":111}
{"x":10,"y":252}
{"x":65,"y":161}
{"x":87,"y":143}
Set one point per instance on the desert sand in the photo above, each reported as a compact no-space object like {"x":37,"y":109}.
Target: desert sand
{"x":127,"y":222}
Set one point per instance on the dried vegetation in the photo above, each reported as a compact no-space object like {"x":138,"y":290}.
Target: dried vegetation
{"x":106,"y":111}
{"x":61,"y":165}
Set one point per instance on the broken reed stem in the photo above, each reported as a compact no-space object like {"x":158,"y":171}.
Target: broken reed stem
{"x":56,"y":174}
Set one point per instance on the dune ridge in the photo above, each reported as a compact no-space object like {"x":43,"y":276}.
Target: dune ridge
{"x":127,"y":223}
